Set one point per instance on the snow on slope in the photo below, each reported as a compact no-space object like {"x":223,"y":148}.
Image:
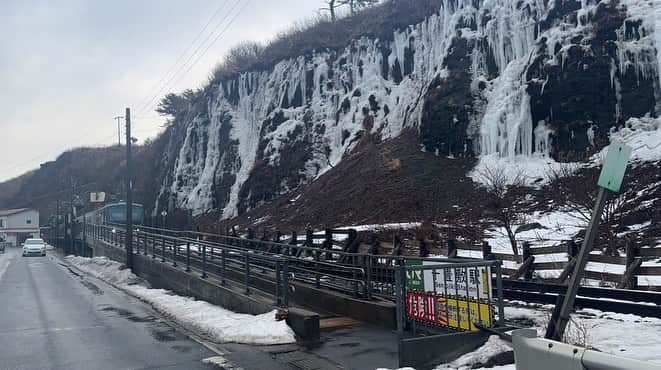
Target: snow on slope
{"x":218,"y":324}
{"x":328,"y":98}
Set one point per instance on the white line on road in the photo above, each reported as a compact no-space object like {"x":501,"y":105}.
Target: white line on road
{"x":5,"y":259}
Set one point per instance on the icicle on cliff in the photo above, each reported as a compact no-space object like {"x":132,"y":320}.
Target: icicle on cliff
{"x":528,"y":77}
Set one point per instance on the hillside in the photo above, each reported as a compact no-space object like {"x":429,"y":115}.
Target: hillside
{"x":76,"y":173}
{"x":392,"y":114}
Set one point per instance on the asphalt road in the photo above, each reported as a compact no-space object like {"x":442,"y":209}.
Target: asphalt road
{"x":50,"y":318}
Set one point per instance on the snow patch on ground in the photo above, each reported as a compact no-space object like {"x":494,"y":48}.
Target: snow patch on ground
{"x":391,"y":226}
{"x":558,"y":227}
{"x":619,"y":334}
{"x":535,"y":170}
{"x":214,"y":322}
{"x":491,"y":348}
{"x":643,"y":135}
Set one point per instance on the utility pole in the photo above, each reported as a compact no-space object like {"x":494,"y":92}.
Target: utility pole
{"x":129,"y":194}
{"x":119,"y":132}
{"x":57,"y":222}
{"x":72,"y":220}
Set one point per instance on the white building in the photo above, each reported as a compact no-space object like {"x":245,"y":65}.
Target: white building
{"x":16,"y":225}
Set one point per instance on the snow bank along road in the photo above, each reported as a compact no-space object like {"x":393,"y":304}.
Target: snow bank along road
{"x":53,"y":319}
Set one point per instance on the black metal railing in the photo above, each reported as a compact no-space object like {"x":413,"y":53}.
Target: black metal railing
{"x":271,"y":266}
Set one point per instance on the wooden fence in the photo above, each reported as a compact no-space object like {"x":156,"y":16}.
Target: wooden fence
{"x":526,"y":265}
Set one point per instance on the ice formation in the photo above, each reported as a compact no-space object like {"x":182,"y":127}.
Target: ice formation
{"x":378,"y":86}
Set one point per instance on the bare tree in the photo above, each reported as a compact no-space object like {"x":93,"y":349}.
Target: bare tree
{"x":354,"y":6}
{"x":578,"y":193}
{"x":504,"y":200}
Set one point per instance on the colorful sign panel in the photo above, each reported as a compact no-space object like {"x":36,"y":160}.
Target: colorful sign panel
{"x":468,"y":282}
{"x":449,"y":312}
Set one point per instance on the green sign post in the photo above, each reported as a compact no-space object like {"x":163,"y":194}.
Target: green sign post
{"x":612,"y":174}
{"x":615,"y":165}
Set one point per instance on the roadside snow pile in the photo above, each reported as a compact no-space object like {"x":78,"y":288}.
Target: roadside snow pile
{"x":218,"y":324}
{"x":106,"y":270}
{"x":619,"y":334}
{"x":493,"y":347}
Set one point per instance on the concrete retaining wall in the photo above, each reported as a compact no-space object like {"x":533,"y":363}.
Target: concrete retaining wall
{"x":162,"y":275}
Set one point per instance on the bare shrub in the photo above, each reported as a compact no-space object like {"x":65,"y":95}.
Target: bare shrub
{"x":578,"y":193}
{"x":244,"y":55}
{"x":322,"y":33}
{"x":504,"y":200}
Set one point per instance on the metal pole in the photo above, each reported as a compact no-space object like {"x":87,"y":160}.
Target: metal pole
{"x":188,"y":257}
{"x":247,"y":282}
{"x":204,"y":261}
{"x":581,"y":261}
{"x":129,"y":194}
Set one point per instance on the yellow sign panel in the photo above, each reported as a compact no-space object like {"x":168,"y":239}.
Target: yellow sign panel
{"x":462,"y":314}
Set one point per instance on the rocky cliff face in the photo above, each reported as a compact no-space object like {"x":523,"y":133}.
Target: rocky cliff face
{"x":477,"y":77}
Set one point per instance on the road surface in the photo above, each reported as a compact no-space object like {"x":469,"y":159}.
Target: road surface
{"x":51,"y":318}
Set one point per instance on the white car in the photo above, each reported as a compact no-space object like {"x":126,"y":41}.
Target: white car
{"x":34,"y":247}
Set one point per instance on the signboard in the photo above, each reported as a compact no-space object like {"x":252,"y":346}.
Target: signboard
{"x":97,"y":197}
{"x":414,"y":278}
{"x":453,"y":313}
{"x":468,"y":282}
{"x":615,"y":165}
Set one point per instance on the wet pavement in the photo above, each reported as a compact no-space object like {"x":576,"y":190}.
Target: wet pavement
{"x":51,"y":318}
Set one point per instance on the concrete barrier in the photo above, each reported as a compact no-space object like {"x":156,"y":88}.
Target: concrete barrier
{"x":162,"y":275}
{"x":531,"y":352}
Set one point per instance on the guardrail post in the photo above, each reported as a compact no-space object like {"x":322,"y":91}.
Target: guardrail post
{"x":452,"y":248}
{"x":188,"y":257}
{"x":204,"y":261}
{"x":175,"y":248}
{"x":251,"y":236}
{"x":309,"y":241}
{"x":145,"y":245}
{"x":527,"y":254}
{"x":317,"y":275}
{"x":223,"y":260}
{"x":153,"y":247}
{"x":400,"y":297}
{"x":630,"y":280}
{"x":328,"y":244}
{"x":486,"y":251}
{"x":499,"y":294}
{"x":247,"y":273}
{"x":163,"y":249}
{"x":423,"y":249}
{"x":294,"y":240}
{"x":354,"y":275}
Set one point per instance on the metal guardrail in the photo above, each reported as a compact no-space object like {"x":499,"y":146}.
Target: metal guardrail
{"x":231,"y":266}
{"x":259,"y":263}
{"x":531,"y":352}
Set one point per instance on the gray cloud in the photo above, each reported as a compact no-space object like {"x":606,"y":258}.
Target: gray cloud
{"x":68,"y":66}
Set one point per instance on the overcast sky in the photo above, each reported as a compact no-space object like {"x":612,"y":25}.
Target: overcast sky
{"x":67,"y":67}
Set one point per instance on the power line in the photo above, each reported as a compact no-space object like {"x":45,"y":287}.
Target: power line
{"x":178,"y":73}
{"x":236,"y":15}
{"x":181,"y":56}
